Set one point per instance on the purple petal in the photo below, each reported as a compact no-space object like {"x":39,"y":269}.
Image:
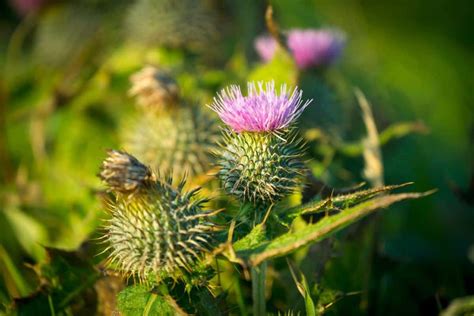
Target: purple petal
{"x":265,"y":46}
{"x":262,"y":110}
{"x":312,"y":48}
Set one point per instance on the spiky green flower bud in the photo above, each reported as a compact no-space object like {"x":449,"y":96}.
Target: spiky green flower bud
{"x":260,"y":167}
{"x":179,"y":140}
{"x":159,"y":233}
{"x":260,"y":158}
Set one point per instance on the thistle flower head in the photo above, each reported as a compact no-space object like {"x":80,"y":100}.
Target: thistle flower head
{"x":153,"y":88}
{"x":312,"y":48}
{"x":263,"y":109}
{"x":265,"y":46}
{"x":159,"y":233}
{"x":309,"y":47}
{"x":124,"y":173}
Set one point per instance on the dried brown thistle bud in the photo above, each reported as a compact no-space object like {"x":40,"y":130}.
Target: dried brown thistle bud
{"x":124,"y":173}
{"x":153,"y":88}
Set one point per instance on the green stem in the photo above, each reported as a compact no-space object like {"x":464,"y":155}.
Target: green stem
{"x":258,"y":289}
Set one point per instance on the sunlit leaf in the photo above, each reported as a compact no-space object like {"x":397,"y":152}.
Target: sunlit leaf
{"x":293,"y":240}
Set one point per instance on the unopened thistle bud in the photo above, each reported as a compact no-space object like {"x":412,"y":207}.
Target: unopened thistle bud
{"x":124,"y":173}
{"x":179,"y":141}
{"x":154,"y":89}
{"x":159,"y":233}
{"x":260,"y":160}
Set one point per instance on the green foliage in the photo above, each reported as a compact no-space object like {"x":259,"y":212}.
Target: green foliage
{"x":65,"y":279}
{"x":281,"y":69}
{"x":139,"y":300}
{"x":460,"y":306}
{"x":312,"y":233}
{"x":340,"y":201}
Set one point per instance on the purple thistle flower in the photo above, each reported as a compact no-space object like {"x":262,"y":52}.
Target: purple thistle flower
{"x":309,"y":47}
{"x":262,"y":110}
{"x":265,"y":46}
{"x":315,"y":47}
{"x":23,"y":7}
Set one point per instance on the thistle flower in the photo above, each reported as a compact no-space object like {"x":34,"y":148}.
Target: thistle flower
{"x":262,"y":110}
{"x":153,"y":88}
{"x":159,"y":233}
{"x":260,"y":157}
{"x":23,"y":7}
{"x":265,"y":46}
{"x":309,"y":47}
{"x":124,"y":173}
{"x":312,"y":48}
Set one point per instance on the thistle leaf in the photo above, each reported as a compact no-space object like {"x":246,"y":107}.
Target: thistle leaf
{"x":293,"y":240}
{"x":253,"y":239}
{"x":341,"y":201}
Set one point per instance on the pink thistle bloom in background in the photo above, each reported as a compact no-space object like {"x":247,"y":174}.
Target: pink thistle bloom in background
{"x":315,"y":47}
{"x":265,"y":46}
{"x":24,"y":7}
{"x":309,"y":47}
{"x":262,"y":110}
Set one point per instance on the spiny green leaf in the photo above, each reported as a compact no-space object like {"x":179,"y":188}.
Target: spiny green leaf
{"x":293,"y":240}
{"x":340,"y":201}
{"x":66,"y":277}
{"x":253,"y":239}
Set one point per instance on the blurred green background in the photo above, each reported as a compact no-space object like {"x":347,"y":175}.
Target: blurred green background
{"x":63,"y":96}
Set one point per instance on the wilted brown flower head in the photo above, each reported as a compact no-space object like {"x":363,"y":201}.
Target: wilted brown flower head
{"x":153,"y":88}
{"x":124,"y":173}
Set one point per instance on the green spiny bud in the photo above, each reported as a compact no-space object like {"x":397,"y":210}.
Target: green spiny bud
{"x":124,"y":173}
{"x":159,"y":233}
{"x":260,"y":167}
{"x":177,"y":141}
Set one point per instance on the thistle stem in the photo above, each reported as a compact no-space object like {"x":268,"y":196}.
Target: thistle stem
{"x":258,"y":289}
